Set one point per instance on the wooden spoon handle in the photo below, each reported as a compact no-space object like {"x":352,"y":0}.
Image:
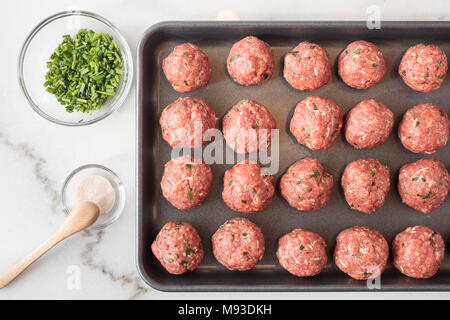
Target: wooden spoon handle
{"x":17,"y":269}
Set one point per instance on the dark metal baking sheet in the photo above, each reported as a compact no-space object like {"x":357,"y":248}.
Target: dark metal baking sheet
{"x":215,"y":39}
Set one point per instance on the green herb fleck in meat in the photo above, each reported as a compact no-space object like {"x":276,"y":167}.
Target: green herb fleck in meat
{"x":424,"y":196}
{"x":244,"y":201}
{"x":302,"y":247}
{"x":313,"y":47}
{"x":374,"y":65}
{"x":189,"y":251}
{"x":188,"y":166}
{"x":403,"y":73}
{"x":315,"y":106}
{"x":245,"y":253}
{"x":190,"y":194}
{"x":186,"y":54}
{"x":294,"y":53}
{"x":358,"y":51}
{"x":415,"y":179}
{"x":184,"y":263}
{"x":372,"y":173}
{"x":315,"y":174}
{"x":186,"y":83}
{"x":234,"y":57}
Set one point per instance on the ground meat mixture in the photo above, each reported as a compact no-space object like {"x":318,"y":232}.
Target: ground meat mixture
{"x":238,"y":244}
{"x":423,"y":67}
{"x":424,"y":128}
{"x":418,"y":252}
{"x":306,"y":185}
{"x":178,"y":247}
{"x":303,"y":253}
{"x":307,"y":66}
{"x":187,"y":68}
{"x":186,"y":182}
{"x":250,"y":61}
{"x":368,"y":124}
{"x":424,"y":184}
{"x":246,"y":188}
{"x":248,"y":126}
{"x":366,"y":184}
{"x":361,"y":252}
{"x":187,"y":122}
{"x":316,"y":122}
{"x":361,"y":65}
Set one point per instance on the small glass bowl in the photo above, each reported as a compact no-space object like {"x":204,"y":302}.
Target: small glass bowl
{"x":36,"y":51}
{"x":69,"y":199}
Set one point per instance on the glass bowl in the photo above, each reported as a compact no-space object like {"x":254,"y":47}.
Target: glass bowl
{"x":69,"y":199}
{"x":36,"y":51}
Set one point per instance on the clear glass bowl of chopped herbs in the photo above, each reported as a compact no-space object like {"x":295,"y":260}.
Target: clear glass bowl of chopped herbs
{"x":75,"y":68}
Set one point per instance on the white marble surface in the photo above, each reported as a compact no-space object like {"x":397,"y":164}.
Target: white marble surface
{"x":36,"y":156}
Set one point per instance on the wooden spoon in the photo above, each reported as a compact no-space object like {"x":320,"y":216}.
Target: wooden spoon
{"x":84,"y":215}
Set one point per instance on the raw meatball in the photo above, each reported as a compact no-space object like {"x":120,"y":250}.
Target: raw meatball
{"x":246,"y":188}
{"x":424,"y":184}
{"x":186,"y":182}
{"x":423,"y":67}
{"x":361,"y":65}
{"x":306,"y":185}
{"x":187,"y":68}
{"x":178,"y":247}
{"x":361,"y":252}
{"x":250,"y":61}
{"x":187,"y":122}
{"x":366,"y":184}
{"x":316,"y":122}
{"x":368,"y":124}
{"x":238,"y":244}
{"x":303,"y":253}
{"x":418,"y":252}
{"x":307,"y":66}
{"x":424,"y":128}
{"x":247,"y":127}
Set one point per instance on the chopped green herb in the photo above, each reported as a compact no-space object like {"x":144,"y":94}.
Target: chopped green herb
{"x":190,"y":194}
{"x":313,"y":47}
{"x":244,"y":235}
{"x":424,"y":196}
{"x":255,"y":126}
{"x":435,"y":84}
{"x":84,"y":70}
{"x":230,"y":183}
{"x":299,"y":181}
{"x":186,"y":54}
{"x":428,"y":74}
{"x":302,"y":247}
{"x":265,"y":76}
{"x":423,"y":179}
{"x":367,"y":273}
{"x":244,"y":201}
{"x":245,"y":253}
{"x":184,"y":263}
{"x":315,"y":106}
{"x":188,"y":166}
{"x":294,"y":53}
{"x":346,"y":51}
{"x":351,"y":205}
{"x":316,"y":174}
{"x":186,"y":83}
{"x":254,"y":191}
{"x":441,"y":76}
{"x":374,"y":65}
{"x":358,"y":51}
{"x":372,"y":173}
{"x":334,"y":133}
{"x":415,"y":179}
{"x":189,"y":251}
{"x":417,"y":123}
{"x":170,"y":261}
{"x":403,"y":73}
{"x":234,"y":57}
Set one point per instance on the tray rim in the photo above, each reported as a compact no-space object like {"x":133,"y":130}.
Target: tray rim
{"x":138,"y":208}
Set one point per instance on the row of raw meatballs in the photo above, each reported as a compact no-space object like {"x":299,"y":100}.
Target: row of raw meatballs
{"x":316,"y":124}
{"x":308,"y":66}
{"x":306,"y":185}
{"x":360,"y":251}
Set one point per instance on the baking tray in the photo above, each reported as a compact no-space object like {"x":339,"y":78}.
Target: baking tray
{"x":216,"y":39}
